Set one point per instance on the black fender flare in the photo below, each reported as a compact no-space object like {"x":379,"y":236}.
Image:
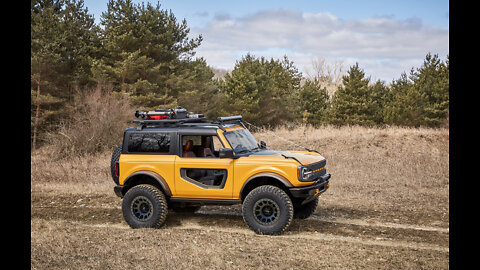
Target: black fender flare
{"x":275,"y":176}
{"x":157,"y":177}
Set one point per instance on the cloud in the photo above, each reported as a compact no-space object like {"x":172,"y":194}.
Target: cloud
{"x":201,"y":14}
{"x":382,"y":43}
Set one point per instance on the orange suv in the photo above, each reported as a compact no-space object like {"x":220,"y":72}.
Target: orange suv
{"x":178,"y":161}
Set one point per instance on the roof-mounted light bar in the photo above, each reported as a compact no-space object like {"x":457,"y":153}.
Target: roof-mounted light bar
{"x":229,"y":118}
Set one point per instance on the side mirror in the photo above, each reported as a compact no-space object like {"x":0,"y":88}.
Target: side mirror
{"x":263,"y":144}
{"x":225,"y":153}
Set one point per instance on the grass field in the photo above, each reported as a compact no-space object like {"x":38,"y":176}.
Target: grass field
{"x":387,"y":208}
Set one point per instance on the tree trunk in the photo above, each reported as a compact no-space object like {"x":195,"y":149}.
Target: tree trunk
{"x":166,"y":87}
{"x":35,"y":123}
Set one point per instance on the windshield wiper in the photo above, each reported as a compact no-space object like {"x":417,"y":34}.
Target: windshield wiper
{"x":256,"y":149}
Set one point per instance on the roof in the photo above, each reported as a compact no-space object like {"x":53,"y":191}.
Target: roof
{"x":186,"y":124}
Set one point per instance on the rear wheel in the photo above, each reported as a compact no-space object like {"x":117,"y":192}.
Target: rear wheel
{"x":144,"y":206}
{"x":267,"y":210}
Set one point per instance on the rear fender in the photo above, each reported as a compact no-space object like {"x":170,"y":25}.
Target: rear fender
{"x":146,"y":177}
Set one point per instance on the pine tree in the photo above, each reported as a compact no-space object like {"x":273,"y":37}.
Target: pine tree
{"x":286,"y":96}
{"x":45,"y":58}
{"x":263,"y":92}
{"x":314,"y":101}
{"x":147,"y":52}
{"x":63,"y":42}
{"x":353,"y":102}
{"x":244,"y":87}
{"x":405,"y":105}
{"x":379,"y":99}
{"x":80,"y":41}
{"x":432,"y":81}
{"x":198,"y":92}
{"x":420,"y":99}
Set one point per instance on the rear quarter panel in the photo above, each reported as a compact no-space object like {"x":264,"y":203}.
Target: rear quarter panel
{"x":161,"y":164}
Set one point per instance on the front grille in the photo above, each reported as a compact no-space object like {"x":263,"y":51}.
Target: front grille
{"x":317,"y":165}
{"x":317,"y":168}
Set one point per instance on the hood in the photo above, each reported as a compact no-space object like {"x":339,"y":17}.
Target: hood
{"x":303,"y":156}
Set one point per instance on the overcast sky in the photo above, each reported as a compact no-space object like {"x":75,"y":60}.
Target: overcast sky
{"x":385,"y":37}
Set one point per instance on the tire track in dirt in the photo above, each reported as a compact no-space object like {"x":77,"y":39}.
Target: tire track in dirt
{"x":373,"y":223}
{"x":409,"y":236}
{"x":193,"y":224}
{"x":339,"y":220}
{"x":349,"y":221}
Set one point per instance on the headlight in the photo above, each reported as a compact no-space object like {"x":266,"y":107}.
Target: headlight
{"x":304,"y":173}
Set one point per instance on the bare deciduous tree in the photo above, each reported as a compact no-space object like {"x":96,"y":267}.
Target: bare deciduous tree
{"x":328,"y":73}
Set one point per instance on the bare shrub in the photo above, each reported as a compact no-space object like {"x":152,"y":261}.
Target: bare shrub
{"x":328,"y":73}
{"x":97,"y":121}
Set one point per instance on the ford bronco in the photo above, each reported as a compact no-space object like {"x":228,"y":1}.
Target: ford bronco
{"x":175,"y":160}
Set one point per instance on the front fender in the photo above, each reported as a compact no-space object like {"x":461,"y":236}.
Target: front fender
{"x":277,"y":177}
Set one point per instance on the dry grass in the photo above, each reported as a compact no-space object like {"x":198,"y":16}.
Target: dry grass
{"x":379,"y":168}
{"x":387,"y":207}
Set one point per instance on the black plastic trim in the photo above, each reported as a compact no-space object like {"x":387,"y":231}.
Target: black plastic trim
{"x":155,"y":176}
{"x":118,"y":189}
{"x":305,"y":192}
{"x":206,"y":201}
{"x":275,"y":176}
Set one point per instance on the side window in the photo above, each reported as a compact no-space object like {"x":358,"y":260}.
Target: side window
{"x":149,"y":142}
{"x":217,"y":144}
{"x":204,"y":146}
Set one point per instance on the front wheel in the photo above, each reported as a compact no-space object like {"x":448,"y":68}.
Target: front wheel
{"x":267,"y":210}
{"x":144,"y":206}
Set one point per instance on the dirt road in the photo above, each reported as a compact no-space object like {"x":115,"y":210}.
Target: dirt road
{"x":92,"y":230}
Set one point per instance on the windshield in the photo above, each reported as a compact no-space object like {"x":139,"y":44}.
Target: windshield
{"x":241,"y":140}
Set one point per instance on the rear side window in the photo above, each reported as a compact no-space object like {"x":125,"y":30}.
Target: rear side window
{"x":149,"y":142}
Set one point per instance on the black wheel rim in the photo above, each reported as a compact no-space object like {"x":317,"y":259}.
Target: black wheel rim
{"x":141,"y":208}
{"x":266,"y":211}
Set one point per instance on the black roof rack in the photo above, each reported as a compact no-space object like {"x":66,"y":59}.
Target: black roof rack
{"x":220,"y":122}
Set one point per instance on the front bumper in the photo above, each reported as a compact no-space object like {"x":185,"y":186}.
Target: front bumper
{"x":309,"y":193}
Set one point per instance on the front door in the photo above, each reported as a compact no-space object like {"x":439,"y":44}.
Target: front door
{"x":199,"y":173}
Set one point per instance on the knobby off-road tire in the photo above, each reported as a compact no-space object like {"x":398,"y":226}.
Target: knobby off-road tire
{"x":267,"y":210}
{"x":115,"y":157}
{"x":306,"y":210}
{"x":144,"y":206}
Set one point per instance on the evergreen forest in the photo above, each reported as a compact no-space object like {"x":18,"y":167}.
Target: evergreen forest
{"x":142,"y":56}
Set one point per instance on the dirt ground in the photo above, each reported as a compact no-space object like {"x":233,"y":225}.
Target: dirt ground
{"x":387,"y":208}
